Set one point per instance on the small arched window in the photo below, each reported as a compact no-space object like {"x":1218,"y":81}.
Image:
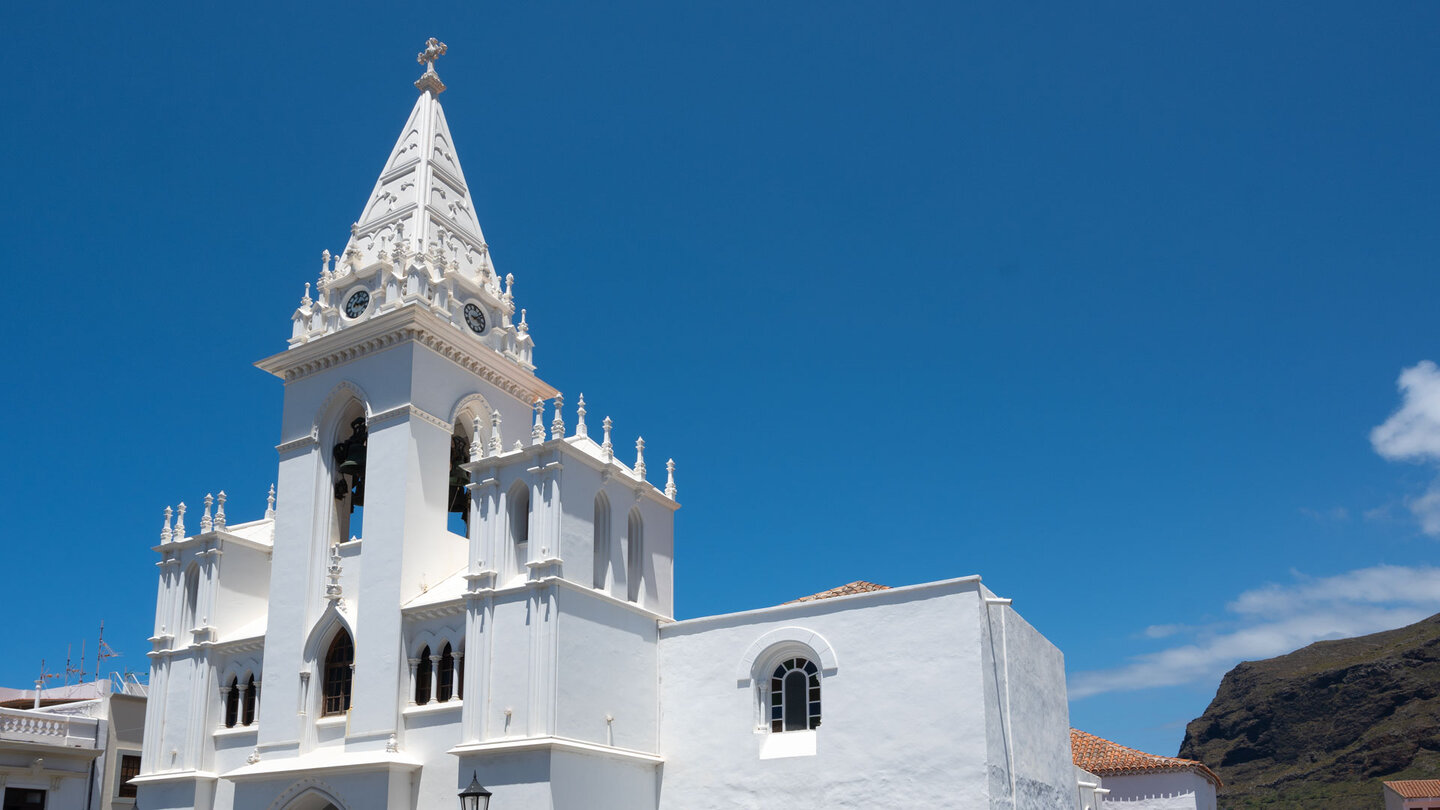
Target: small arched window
{"x":602,"y":540}
{"x":634,"y":556}
{"x":445,"y":675}
{"x":339,"y":666}
{"x":232,"y":702}
{"x":795,"y":695}
{"x":247,"y":714}
{"x":422,"y":677}
{"x":520,"y":524}
{"x":188,"y":608}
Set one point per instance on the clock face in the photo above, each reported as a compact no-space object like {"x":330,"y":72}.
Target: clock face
{"x":475,"y":318}
{"x":357,"y":304}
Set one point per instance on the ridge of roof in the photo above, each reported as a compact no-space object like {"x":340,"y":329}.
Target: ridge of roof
{"x":1105,"y":758}
{"x":858,"y":586}
{"x":1415,"y":788}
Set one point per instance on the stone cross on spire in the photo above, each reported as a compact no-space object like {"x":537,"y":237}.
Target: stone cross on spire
{"x":434,"y":49}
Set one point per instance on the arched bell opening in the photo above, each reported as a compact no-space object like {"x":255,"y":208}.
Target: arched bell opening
{"x":457,"y":493}
{"x":348,"y":474}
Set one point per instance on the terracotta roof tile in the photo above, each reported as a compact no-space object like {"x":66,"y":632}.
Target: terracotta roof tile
{"x":1416,"y":788}
{"x":858,"y":586}
{"x":1104,"y":758}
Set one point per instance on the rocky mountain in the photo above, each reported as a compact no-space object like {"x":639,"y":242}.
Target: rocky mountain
{"x":1325,"y":725}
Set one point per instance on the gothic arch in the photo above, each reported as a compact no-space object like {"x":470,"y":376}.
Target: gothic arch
{"x":324,"y":628}
{"x":327,"y":416}
{"x":467,"y":407}
{"x":308,"y":794}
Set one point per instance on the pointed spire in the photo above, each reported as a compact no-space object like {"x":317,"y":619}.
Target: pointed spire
{"x":640,"y":457}
{"x":606,"y":448}
{"x":477,"y":447}
{"x":165,"y":527}
{"x":306,"y":301}
{"x":496,"y":446}
{"x":670,"y":479}
{"x":421,"y":188}
{"x":537,"y":433}
{"x":179,"y":522}
{"x":270,"y":504}
{"x":220,"y":512}
{"x":523,"y":327}
{"x":557,"y":425}
{"x":580,"y":429}
{"x":206,"y":524}
{"x":332,"y":591}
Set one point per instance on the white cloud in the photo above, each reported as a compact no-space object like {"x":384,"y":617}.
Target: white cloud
{"x":1413,"y":432}
{"x":1277,"y":619}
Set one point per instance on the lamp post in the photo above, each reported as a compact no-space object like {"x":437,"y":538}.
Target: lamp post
{"x":475,"y":797}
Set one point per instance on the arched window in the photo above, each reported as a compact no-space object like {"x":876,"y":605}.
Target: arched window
{"x":634,"y":556}
{"x":422,"y":678}
{"x":247,"y":715}
{"x":445,"y":676}
{"x":795,"y":695}
{"x":232,"y":702}
{"x":520,"y":524}
{"x":339,"y":666}
{"x":348,"y":475}
{"x":457,"y":494}
{"x":188,"y":608}
{"x":602,"y":540}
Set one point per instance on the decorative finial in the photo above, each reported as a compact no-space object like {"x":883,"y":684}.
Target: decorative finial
{"x":670,"y":479}
{"x":430,"y":82}
{"x":580,"y":429}
{"x":270,"y":504}
{"x":254,"y":756}
{"x":537,"y":433}
{"x":165,"y":527}
{"x":523,"y":327}
{"x":496,"y":447}
{"x":206,"y":524}
{"x":640,"y":457}
{"x":179,"y":522}
{"x":606,"y":447}
{"x":392,"y":746}
{"x":220,"y":512}
{"x":477,"y":447}
{"x":557,"y":425}
{"x":305,"y":300}
{"x":332,"y":591}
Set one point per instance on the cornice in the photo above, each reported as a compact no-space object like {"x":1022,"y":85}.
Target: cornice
{"x":402,"y":326}
{"x":403,"y":411}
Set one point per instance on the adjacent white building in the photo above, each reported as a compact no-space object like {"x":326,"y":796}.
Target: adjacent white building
{"x":1135,"y":780}
{"x":459,"y":576}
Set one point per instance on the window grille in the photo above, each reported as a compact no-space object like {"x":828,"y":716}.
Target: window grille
{"x":795,"y":696}
{"x":339,"y":663}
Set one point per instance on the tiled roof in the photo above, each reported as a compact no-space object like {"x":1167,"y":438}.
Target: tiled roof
{"x":1416,"y":788}
{"x":858,"y":586}
{"x":1104,"y":758}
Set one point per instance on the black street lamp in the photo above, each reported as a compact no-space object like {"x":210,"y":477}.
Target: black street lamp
{"x":475,"y":797}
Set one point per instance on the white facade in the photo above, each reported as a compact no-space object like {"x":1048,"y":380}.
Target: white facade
{"x":1174,"y":790}
{"x":378,"y":658}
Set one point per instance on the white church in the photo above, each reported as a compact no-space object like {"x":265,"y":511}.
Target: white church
{"x":461,"y":588}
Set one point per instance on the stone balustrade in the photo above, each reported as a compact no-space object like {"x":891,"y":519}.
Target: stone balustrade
{"x":23,"y":725}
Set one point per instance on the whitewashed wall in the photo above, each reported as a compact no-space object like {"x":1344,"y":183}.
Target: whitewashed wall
{"x":1178,"y":790}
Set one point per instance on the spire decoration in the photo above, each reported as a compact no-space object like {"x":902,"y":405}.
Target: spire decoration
{"x":640,"y":457}
{"x":670,"y":479}
{"x":606,"y":447}
{"x":332,"y":591}
{"x":537,"y":433}
{"x":220,"y":512}
{"x":270,"y":504}
{"x":496,"y":447}
{"x":557,"y":425}
{"x":165,"y":527}
{"x":430,"y":82}
{"x":580,"y":429}
{"x":523,"y":326}
{"x":477,"y":447}
{"x":179,"y":522}
{"x":206,"y":524}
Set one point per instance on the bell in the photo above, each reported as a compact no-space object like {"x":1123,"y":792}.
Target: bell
{"x":459,"y":496}
{"x":350,"y":471}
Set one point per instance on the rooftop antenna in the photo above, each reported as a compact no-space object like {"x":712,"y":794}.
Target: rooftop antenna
{"x":102,"y":650}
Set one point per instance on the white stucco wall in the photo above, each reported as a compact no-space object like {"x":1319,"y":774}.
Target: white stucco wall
{"x":1178,"y":790}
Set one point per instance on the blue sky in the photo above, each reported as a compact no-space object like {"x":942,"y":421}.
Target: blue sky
{"x":1100,"y":302}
